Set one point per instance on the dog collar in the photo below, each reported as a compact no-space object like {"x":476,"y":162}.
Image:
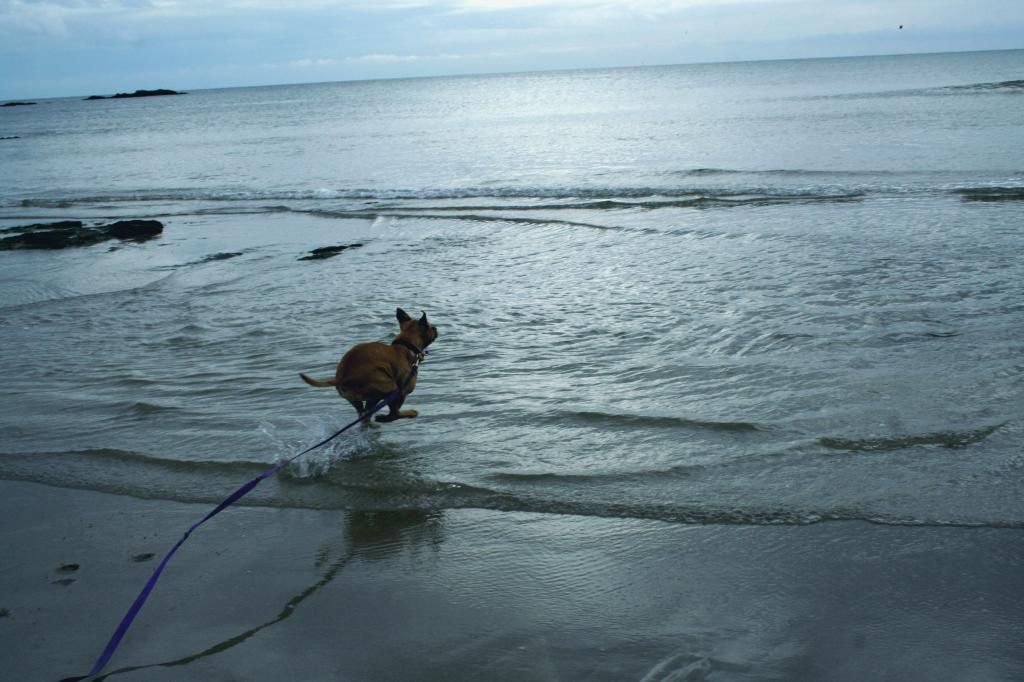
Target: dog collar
{"x":418,"y":352}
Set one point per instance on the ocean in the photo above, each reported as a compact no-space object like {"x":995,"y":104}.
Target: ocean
{"x":760,"y":296}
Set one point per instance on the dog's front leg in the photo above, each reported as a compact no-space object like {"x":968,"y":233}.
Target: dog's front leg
{"x":396,"y":412}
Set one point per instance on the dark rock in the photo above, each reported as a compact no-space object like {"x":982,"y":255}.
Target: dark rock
{"x":135,"y":230}
{"x":64,"y":581}
{"x":328,"y":251}
{"x":4,"y":613}
{"x":17,"y":104}
{"x":70,"y":233}
{"x":59,"y":225}
{"x":137,"y":93}
{"x":212,"y":258}
{"x":146,"y":556}
{"x":57,"y":238}
{"x":10,"y":137}
{"x":68,"y":568}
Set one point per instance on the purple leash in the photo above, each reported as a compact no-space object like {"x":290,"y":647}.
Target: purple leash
{"x":126,"y":622}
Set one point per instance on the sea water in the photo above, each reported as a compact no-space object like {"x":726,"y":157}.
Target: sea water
{"x":757,"y":293}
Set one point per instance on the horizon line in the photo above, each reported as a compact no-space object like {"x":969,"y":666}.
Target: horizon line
{"x":513,"y":72}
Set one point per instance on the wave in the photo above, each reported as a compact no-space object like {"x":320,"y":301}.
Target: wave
{"x":23,"y":292}
{"x":1003,"y":86}
{"x":144,"y":476}
{"x":640,"y":421}
{"x":738,"y":188}
{"x":145,"y":409}
{"x":789,"y":172}
{"x":991,"y":193}
{"x":1010,"y":87}
{"x":569,"y":197}
{"x":32,"y":295}
{"x":686,"y":188}
{"x":656,"y":200}
{"x":946,"y":439}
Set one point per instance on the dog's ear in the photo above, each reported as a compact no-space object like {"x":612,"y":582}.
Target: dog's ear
{"x":402,"y":316}
{"x":423,"y":322}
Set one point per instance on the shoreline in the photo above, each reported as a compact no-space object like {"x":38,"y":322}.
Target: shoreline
{"x":260,"y":593}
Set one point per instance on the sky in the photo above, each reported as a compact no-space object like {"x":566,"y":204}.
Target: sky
{"x":54,"y":48}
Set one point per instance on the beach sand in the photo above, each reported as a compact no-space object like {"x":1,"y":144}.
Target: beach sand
{"x":272,"y":594}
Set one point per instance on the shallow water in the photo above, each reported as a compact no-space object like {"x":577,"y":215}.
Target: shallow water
{"x":775,"y":293}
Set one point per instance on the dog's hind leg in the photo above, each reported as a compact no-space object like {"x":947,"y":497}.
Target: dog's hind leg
{"x":360,"y":406}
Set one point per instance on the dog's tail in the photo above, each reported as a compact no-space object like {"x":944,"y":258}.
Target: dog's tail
{"x":319,"y":384}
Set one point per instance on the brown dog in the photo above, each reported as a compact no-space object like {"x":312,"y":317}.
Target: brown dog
{"x":370,"y":372}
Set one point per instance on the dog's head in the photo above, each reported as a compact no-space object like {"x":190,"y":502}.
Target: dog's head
{"x":419,"y":332}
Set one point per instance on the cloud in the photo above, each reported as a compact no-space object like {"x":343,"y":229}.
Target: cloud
{"x":307,"y":63}
{"x":43,"y":18}
{"x":398,"y":58}
{"x":500,"y":5}
{"x":636,"y":7}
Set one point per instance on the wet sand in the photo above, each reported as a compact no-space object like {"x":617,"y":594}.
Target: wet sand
{"x":271,"y":594}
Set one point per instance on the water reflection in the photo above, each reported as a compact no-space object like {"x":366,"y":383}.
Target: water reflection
{"x":368,"y":535}
{"x":381,"y":534}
